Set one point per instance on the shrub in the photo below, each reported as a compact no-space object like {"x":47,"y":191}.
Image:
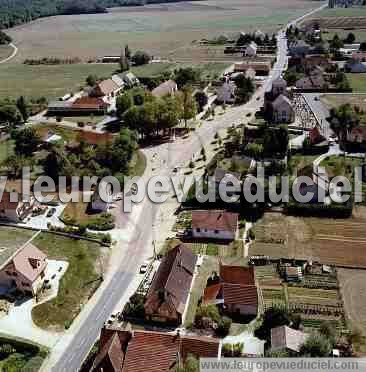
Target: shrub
{"x":208,"y":311}
{"x":316,"y":346}
{"x":223,"y":326}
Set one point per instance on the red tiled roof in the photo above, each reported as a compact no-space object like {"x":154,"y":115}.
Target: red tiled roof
{"x":236,"y":287}
{"x":30,"y":262}
{"x":107,"y":87}
{"x":238,"y":294}
{"x":173,"y":279}
{"x":237,"y":275}
{"x":211,"y":292}
{"x":152,"y":351}
{"x":89,"y":103}
{"x":215,"y":220}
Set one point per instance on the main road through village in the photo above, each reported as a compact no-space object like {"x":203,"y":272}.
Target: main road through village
{"x":135,"y":244}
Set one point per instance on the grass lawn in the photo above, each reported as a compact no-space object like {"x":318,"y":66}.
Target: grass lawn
{"x":303,"y":164}
{"x":77,"y":212}
{"x":93,"y":119}
{"x":48,"y":81}
{"x":209,"y":265}
{"x":6,"y":149}
{"x":152,"y":69}
{"x":357,"y":82}
{"x":137,"y":164}
{"x":77,"y":285}
{"x":340,"y":166}
{"x":5,"y":51}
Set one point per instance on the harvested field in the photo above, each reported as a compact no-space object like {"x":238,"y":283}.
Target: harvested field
{"x":340,"y":18}
{"x":335,"y":242}
{"x":5,"y":51}
{"x":352,"y":284}
{"x":160,"y":29}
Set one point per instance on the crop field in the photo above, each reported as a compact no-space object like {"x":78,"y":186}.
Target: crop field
{"x":47,"y":81}
{"x":5,"y":51}
{"x":340,"y":242}
{"x":357,"y":82}
{"x":160,"y":29}
{"x":352,"y":284}
{"x":340,"y":18}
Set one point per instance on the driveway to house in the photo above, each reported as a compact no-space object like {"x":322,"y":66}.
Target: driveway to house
{"x":137,"y":232}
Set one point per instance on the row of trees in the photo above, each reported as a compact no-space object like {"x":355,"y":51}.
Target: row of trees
{"x":245,"y":39}
{"x":14,"y":112}
{"x":148,"y":115}
{"x":4,"y":38}
{"x":103,"y":160}
{"x":139,"y":58}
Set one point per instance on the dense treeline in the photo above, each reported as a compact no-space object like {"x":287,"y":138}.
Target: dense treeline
{"x":16,"y":12}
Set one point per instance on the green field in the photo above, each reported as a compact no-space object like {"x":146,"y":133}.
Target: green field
{"x":358,"y":82}
{"x":47,"y":81}
{"x":78,"y":283}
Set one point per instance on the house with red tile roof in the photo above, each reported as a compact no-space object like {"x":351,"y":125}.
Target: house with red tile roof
{"x":212,"y":224}
{"x":24,"y":270}
{"x":168,"y":294}
{"x":142,"y":351}
{"x":235,"y":291}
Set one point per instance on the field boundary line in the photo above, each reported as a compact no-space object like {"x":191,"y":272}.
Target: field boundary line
{"x":15,"y":52}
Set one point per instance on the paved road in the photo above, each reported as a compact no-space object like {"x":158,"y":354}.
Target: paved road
{"x":139,"y":244}
{"x":15,"y":51}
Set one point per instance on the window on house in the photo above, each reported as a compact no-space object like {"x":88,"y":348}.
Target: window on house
{"x":25,"y":284}
{"x":216,"y":231}
{"x":198,"y":230}
{"x":8,"y":273}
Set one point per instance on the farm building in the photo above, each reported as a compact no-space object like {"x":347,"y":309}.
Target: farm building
{"x":25,"y":270}
{"x":234,"y":291}
{"x":286,"y":338}
{"x":81,"y":106}
{"x":218,"y":225}
{"x":168,"y":88}
{"x":168,"y":293}
{"x":140,"y":350}
{"x":226,"y":93}
{"x":355,"y":67}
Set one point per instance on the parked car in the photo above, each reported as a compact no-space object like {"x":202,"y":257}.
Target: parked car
{"x":51,"y":212}
{"x":143,"y":267}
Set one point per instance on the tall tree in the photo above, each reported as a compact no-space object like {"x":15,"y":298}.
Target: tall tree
{"x":188,"y":104}
{"x":127,"y":52}
{"x":23,"y":108}
{"x":26,"y":141}
{"x":123,"y":103}
{"x":141,"y":58}
{"x":124,"y":63}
